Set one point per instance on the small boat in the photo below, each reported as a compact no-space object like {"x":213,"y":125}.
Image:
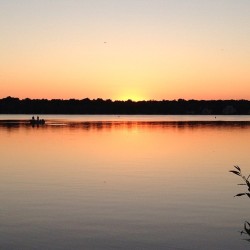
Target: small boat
{"x":37,"y":121}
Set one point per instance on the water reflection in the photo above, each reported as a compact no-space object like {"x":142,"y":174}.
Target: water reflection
{"x":121,"y":185}
{"x":98,"y":125}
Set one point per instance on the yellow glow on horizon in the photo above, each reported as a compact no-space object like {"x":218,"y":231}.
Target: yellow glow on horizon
{"x":133,"y":96}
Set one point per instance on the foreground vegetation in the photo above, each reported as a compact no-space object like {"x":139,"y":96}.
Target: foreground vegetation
{"x":246,"y":183}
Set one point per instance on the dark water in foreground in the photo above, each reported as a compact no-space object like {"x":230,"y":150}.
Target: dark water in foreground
{"x":105,"y":182}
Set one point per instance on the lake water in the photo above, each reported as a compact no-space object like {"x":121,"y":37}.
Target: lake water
{"x":123,"y":182}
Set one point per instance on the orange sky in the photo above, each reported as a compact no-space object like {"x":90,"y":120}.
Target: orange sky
{"x":125,"y":49}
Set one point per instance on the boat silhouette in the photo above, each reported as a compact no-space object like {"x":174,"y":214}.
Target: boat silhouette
{"x":37,"y":121}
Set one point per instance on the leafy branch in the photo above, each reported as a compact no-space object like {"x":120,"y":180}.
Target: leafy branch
{"x":245,"y":180}
{"x":246,"y":229}
{"x":246,"y":183}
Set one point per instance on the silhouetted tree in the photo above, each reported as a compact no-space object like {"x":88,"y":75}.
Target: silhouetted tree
{"x":10,"y":105}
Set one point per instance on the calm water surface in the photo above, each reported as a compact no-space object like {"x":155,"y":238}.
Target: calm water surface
{"x":128,"y":182}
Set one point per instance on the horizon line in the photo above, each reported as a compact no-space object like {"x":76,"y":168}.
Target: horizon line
{"x":119,"y":100}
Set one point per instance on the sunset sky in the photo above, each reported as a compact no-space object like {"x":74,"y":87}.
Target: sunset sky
{"x":125,"y":49}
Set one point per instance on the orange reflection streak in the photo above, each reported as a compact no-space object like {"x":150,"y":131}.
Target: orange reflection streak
{"x":166,"y":142}
{"x":123,"y":158}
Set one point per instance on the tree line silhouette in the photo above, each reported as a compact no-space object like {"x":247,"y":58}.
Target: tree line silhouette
{"x":11,"y":105}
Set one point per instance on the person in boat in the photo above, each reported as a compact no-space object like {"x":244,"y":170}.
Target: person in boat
{"x":37,"y":120}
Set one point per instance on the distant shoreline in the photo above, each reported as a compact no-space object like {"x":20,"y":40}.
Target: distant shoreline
{"x":10,"y":105}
